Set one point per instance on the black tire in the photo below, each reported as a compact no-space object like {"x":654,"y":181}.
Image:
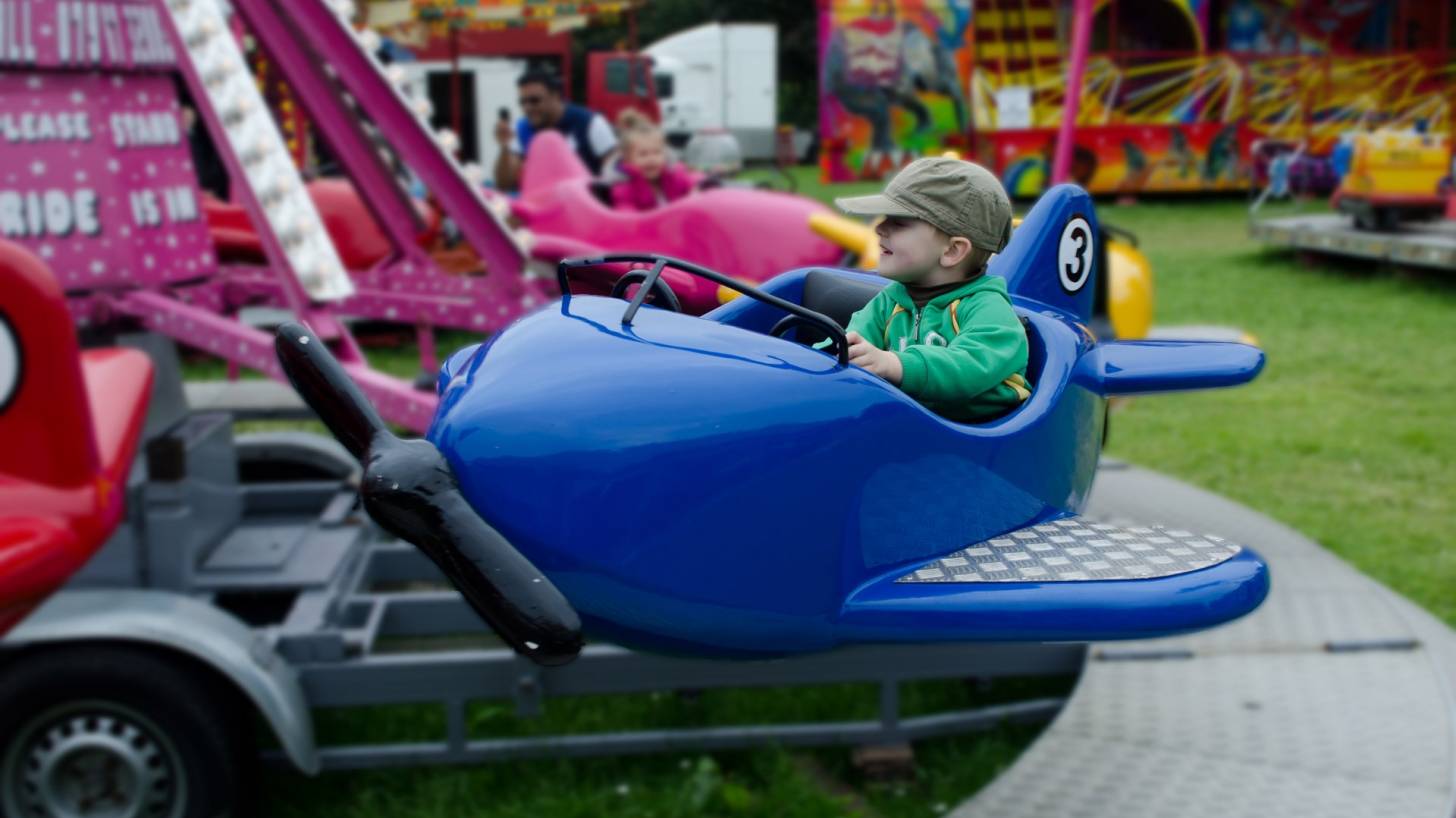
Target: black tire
{"x":116,"y":726}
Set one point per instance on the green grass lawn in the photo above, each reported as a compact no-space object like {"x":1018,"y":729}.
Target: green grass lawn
{"x":1346,"y":436}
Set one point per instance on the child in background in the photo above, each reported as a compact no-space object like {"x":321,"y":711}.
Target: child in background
{"x":652,"y":179}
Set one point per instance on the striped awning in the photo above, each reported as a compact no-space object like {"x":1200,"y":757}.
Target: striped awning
{"x":552,"y":15}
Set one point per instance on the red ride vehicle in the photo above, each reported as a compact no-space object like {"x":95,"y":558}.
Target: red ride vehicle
{"x":88,"y":725}
{"x":71,"y":421}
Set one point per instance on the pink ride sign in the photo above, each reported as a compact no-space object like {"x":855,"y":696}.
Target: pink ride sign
{"x":95,"y":173}
{"x":97,"y":179}
{"x":110,"y":34}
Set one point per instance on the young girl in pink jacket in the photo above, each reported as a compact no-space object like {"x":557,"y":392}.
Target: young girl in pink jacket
{"x":652,"y":179}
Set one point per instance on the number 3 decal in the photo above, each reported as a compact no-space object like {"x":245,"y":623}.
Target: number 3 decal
{"x":1074,"y":256}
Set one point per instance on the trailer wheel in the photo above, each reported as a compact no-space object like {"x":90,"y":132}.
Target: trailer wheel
{"x":107,"y":730}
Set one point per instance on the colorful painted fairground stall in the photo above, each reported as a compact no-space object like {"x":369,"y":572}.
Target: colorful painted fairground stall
{"x":1177,"y":95}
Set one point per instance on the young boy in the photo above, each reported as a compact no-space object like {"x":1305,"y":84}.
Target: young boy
{"x":943,"y":330}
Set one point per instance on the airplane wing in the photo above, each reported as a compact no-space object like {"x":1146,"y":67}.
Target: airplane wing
{"x":1067,"y":580}
{"x":1076,"y":549}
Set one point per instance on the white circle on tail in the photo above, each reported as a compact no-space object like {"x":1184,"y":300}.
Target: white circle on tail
{"x":1074,"y":254}
{"x":9,"y":363}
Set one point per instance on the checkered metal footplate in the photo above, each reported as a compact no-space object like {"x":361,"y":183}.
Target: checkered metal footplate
{"x":1074,"y":550}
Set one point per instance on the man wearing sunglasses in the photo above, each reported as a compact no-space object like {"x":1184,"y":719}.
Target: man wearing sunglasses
{"x":544,"y":108}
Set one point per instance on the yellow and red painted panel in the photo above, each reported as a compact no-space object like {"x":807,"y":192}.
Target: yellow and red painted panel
{"x":893,"y":75}
{"x":1128,"y":158}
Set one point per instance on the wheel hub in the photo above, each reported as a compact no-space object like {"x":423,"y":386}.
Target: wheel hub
{"x":94,"y":762}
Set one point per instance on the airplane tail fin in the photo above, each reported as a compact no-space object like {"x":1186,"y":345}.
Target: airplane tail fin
{"x":1052,"y":256}
{"x":45,"y":420}
{"x":550,"y":160}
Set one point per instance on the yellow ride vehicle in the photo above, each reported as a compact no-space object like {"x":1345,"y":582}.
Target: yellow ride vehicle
{"x":1394,"y":176}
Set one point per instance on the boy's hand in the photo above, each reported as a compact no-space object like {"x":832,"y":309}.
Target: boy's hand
{"x":882,"y":363}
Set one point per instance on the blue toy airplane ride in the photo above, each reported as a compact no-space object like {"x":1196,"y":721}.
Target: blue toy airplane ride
{"x":709,"y":485}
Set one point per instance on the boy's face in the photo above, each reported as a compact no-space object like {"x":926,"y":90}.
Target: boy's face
{"x":911,"y":251}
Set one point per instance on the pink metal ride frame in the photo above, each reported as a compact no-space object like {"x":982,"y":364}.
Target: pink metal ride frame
{"x":305,"y":38}
{"x":1072,"y":97}
{"x":96,"y":180}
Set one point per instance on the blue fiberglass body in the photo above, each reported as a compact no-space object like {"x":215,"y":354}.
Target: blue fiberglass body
{"x":695,"y":484}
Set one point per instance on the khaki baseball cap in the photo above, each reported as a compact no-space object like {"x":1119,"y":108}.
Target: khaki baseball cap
{"x":957,"y":197}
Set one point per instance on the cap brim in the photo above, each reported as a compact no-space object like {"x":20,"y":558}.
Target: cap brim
{"x":876,"y":205}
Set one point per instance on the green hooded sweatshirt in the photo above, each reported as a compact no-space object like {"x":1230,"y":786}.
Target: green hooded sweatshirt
{"x":964,"y":354}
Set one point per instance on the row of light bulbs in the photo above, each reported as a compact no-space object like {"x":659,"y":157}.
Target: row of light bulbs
{"x":257,"y":144}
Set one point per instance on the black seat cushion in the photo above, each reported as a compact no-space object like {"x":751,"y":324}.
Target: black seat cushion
{"x":839,"y":298}
{"x":1036,"y":353}
{"x":834,"y":296}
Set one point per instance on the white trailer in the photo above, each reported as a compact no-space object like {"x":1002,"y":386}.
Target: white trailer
{"x":487,"y":85}
{"x":720,"y":76}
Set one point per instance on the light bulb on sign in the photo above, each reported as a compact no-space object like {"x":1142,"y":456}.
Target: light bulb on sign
{"x":253,"y":156}
{"x":233,"y":116}
{"x":215,"y":78}
{"x":525,"y":239}
{"x":296,"y":238}
{"x":499,"y":206}
{"x":227,"y":81}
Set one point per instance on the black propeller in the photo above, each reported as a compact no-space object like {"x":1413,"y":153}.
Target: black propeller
{"x":410,"y":490}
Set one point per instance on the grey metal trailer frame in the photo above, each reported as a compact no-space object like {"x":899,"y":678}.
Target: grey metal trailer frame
{"x":1430,"y":244}
{"x":285,"y":589}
